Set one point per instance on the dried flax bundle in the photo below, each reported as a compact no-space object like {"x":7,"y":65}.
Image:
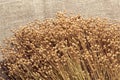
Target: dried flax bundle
{"x":63,"y":48}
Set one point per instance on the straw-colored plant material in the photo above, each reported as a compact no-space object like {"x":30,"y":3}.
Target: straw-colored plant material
{"x":63,"y":48}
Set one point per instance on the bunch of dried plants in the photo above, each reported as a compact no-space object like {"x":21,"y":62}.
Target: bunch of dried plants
{"x":63,"y":48}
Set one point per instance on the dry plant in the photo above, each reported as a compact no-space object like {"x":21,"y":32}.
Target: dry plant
{"x":63,"y":48}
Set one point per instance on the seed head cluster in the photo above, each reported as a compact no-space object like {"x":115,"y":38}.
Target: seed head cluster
{"x":63,"y":48}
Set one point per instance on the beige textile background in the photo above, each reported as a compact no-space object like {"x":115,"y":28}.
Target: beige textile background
{"x":14,"y":13}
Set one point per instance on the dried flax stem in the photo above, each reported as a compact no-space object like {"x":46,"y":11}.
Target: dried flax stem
{"x":63,"y":48}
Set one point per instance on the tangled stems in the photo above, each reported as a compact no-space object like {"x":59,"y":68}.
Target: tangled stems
{"x":63,"y":48}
